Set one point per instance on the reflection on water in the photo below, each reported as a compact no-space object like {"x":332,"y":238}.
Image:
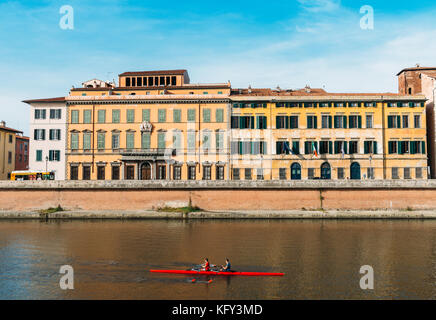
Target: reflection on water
{"x":321,"y":259}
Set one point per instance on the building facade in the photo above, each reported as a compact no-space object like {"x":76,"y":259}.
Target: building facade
{"x":422,"y":80}
{"x":48,"y":136}
{"x":7,"y":150}
{"x":157,"y":125}
{"x":21,"y":153}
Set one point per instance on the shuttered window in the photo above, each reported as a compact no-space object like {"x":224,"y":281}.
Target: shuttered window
{"x":162,"y":115}
{"x":161,"y":140}
{"x":130,"y":140}
{"x":86,"y":141}
{"x":206,"y":115}
{"x":74,"y":116}
{"x":177,"y":115}
{"x":86,"y":116}
{"x":145,"y":140}
{"x":130,"y":116}
{"x":74,"y":141}
{"x":219,"y":115}
{"x":191,"y":115}
{"x":116,"y":116}
{"x":146,"y":115}
{"x":101,"y":141}
{"x":101,"y":116}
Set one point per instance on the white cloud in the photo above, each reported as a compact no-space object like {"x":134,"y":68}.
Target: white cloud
{"x":320,"y":5}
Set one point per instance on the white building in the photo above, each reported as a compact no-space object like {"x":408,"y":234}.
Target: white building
{"x":48,"y":129}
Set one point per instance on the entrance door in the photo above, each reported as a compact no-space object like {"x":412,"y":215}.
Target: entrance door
{"x":146,"y":171}
{"x":296,"y":171}
{"x":355,"y":171}
{"x":326,"y":172}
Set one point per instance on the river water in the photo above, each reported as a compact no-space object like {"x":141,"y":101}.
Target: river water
{"x":321,"y":259}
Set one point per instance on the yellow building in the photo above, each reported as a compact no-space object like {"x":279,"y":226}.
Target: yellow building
{"x":312,"y":134}
{"x":155,"y":125}
{"x":7,"y":150}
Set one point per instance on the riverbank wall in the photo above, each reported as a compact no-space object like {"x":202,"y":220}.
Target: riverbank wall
{"x":242,"y":197}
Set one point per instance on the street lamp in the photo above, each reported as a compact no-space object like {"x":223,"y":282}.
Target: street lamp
{"x":46,"y":163}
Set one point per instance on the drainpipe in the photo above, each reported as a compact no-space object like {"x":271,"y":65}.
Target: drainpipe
{"x":93,"y":135}
{"x":383,"y":138}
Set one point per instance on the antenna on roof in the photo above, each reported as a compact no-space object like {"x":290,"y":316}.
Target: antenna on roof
{"x":249,"y":88}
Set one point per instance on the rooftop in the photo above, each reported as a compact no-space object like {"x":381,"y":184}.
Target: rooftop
{"x":417,"y":68}
{"x":48,"y":100}
{"x":154,"y":73}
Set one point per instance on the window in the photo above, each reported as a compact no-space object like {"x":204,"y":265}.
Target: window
{"x":244,"y":122}
{"x":407,"y":173}
{"x":395,"y":173}
{"x":236,"y":174}
{"x":207,"y":172}
{"x":259,"y":174}
{"x":177,"y":172}
{"x":341,"y":173}
{"x":282,"y":147}
{"x":101,"y":173}
{"x":101,"y":115}
{"x":191,"y":115}
{"x":293,"y":122}
{"x":55,"y":134}
{"x":145,"y":140}
{"x":355,"y":122}
{"x":101,"y":140}
{"x":162,"y":115}
{"x":86,"y":116}
{"x":74,"y":173}
{"x":248,"y":147}
{"x":325,"y":147}
{"x":219,"y":115}
{"x":340,"y":122}
{"x":309,"y":145}
{"x":282,"y":122}
{"x":282,"y":173}
{"x":74,"y":141}
{"x":9,"y":157}
{"x":161,"y":140}
{"x":55,"y":113}
{"x":370,"y":147}
{"x":206,"y":141}
{"x":177,"y":115}
{"x":54,"y":155}
{"x":115,"y":141}
{"x":417,"y":121}
{"x":369,"y":121}
{"x":296,"y":147}
{"x":128,"y":82}
{"x":261,"y":122}
{"x":39,"y":134}
{"x":130,"y":115}
{"x":191,"y":141}
{"x":353,"y":147}
{"x":393,"y":147}
{"x":394,"y":122}
{"x":86,"y":141}
{"x":115,"y":116}
{"x":403,"y":147}
{"x":115,"y":173}
{"x":326,"y":122}
{"x":177,"y":140}
{"x":220,"y":173}
{"x":38,"y":155}
{"x":247,"y":174}
{"x":86,"y":174}
{"x":312,"y":122}
{"x":418,"y":173}
{"x":219,"y":139}
{"x":161,"y":172}
{"x":417,"y":147}
{"x":130,"y":140}
{"x":146,"y":115}
{"x":192,"y":173}
{"x":206,"y":115}
{"x":11,"y":138}
{"x":405,"y":121}
{"x":40,"y":113}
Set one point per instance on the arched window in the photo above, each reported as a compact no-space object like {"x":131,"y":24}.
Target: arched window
{"x":296,"y":171}
{"x":355,"y":171}
{"x":326,"y":171}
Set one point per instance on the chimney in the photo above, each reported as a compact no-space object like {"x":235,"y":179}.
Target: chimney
{"x":2,"y":123}
{"x":249,"y":89}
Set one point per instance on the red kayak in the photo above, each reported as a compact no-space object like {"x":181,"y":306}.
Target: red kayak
{"x":219,"y":273}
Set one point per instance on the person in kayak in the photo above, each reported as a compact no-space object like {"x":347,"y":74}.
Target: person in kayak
{"x":227,"y":267}
{"x":206,"y":265}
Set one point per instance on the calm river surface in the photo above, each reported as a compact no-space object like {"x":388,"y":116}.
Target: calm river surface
{"x":321,"y":259}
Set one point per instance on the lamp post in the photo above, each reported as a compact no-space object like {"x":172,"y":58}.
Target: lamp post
{"x":46,"y":163}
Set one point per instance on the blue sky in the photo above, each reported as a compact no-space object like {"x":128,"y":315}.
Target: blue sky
{"x":262,"y":43}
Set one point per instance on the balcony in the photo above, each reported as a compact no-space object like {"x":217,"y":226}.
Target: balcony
{"x":141,"y":154}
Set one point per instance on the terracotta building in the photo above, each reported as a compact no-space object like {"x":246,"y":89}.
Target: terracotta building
{"x":21,"y":153}
{"x":422,"y":80}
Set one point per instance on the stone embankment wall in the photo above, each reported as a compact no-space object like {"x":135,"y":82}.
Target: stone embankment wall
{"x":218,"y":195}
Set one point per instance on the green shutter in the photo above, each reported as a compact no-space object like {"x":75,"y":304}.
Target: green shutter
{"x":75,"y":116}
{"x":191,"y":140}
{"x":145,"y":143}
{"x":101,"y":116}
{"x":146,"y":115}
{"x":206,"y":115}
{"x":177,"y":115}
{"x":366,"y":147}
{"x":315,"y":122}
{"x":130,"y":116}
{"x":191,"y":115}
{"x":116,"y":116}
{"x":423,"y":147}
{"x":330,"y":122}
{"x":161,"y":140}
{"x":101,"y":141}
{"x":130,"y":142}
{"x":162,"y":115}
{"x":345,"y":122}
{"x":330,"y":147}
{"x":375,"y":147}
{"x":398,"y":121}
{"x":87,"y":141}
{"x":86,"y":116}
{"x":309,"y":122}
{"x":219,"y":115}
{"x":359,"y":122}
{"x":74,"y":141}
